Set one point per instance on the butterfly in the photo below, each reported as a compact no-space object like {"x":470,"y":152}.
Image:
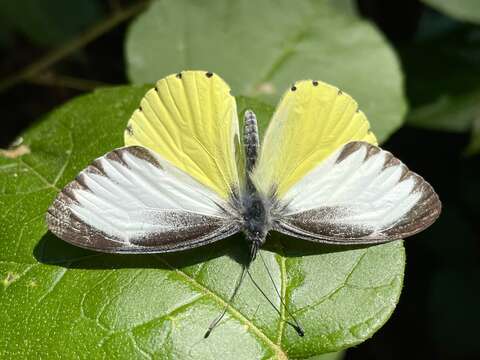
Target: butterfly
{"x":189,"y":176}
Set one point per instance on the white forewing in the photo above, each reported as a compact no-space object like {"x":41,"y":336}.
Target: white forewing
{"x":359,"y":194}
{"x":132,"y":200}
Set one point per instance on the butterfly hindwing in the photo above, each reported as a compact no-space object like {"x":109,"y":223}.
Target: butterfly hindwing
{"x":131,"y":200}
{"x":359,"y":194}
{"x":312,"y":120}
{"x":190,"y":119}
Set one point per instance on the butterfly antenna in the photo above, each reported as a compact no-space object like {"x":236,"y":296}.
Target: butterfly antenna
{"x":298,"y":328}
{"x":215,"y":322}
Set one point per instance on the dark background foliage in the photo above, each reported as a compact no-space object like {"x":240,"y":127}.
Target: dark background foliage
{"x":437,"y":316}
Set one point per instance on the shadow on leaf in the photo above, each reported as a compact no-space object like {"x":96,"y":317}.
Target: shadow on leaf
{"x":54,"y":251}
{"x":289,"y":246}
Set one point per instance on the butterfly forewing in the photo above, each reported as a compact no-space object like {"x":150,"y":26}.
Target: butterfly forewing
{"x":133,"y":201}
{"x":359,"y":194}
{"x":312,"y":120}
{"x":191,"y":120}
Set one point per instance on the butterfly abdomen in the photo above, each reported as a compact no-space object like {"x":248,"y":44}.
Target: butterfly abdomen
{"x":251,"y":140}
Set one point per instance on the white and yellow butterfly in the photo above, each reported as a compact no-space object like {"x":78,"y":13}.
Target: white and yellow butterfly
{"x":184,"y":179}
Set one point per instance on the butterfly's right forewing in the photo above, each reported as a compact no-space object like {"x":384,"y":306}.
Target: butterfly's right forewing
{"x":190,"y":119}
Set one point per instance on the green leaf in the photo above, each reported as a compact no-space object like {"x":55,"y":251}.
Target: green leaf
{"x":59,"y":300}
{"x":443,"y":73}
{"x":262,"y":47}
{"x":474,"y":146}
{"x":468,"y":10}
{"x":49,"y":22}
{"x":453,"y":113}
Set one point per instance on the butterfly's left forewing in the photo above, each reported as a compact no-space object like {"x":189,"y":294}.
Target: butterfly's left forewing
{"x":360,"y":194}
{"x":133,"y":201}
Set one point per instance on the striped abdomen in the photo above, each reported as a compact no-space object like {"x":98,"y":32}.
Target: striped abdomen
{"x":250,"y":140}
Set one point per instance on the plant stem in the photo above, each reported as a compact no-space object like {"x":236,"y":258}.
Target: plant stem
{"x":66,"y":82}
{"x":70,"y":47}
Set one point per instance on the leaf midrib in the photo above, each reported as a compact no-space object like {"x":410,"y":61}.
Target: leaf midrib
{"x":280,"y":354}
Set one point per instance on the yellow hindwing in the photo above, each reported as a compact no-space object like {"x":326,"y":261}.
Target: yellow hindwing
{"x":191,"y":120}
{"x":312,"y":120}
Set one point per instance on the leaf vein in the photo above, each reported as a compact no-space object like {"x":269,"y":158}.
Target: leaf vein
{"x":233,"y":312}
{"x":40,"y":176}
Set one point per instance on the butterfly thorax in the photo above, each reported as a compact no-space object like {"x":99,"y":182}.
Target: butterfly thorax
{"x":255,"y":213}
{"x":256,"y":222}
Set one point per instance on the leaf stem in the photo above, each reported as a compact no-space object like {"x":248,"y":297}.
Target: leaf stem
{"x":70,"y":47}
{"x":51,"y":79}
